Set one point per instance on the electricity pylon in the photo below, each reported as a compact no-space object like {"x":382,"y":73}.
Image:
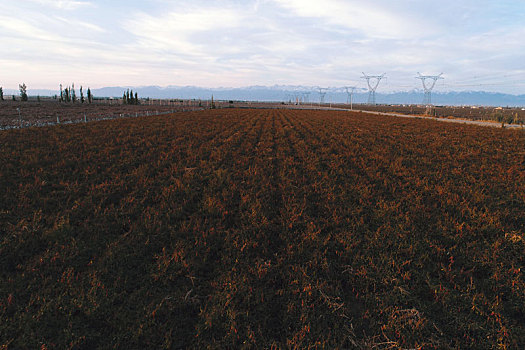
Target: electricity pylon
{"x":372,"y":87}
{"x":350,"y":95}
{"x":322,"y":94}
{"x":297,"y":97}
{"x":306,"y":97}
{"x":427,"y":100}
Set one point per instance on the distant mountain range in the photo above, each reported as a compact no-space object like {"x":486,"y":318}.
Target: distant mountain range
{"x":291,"y":93}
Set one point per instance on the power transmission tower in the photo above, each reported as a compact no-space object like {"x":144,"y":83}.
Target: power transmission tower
{"x":350,"y":95}
{"x":427,"y":100}
{"x":297,"y":97}
{"x":306,"y":97}
{"x":372,"y":87}
{"x":322,"y":94}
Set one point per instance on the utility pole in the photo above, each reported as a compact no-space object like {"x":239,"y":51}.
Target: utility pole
{"x":372,"y":87}
{"x":19,"y":117}
{"x":427,"y":100}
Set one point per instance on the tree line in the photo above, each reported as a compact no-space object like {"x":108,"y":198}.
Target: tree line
{"x":69,"y":95}
{"x":129,"y":99}
{"x":66,"y":95}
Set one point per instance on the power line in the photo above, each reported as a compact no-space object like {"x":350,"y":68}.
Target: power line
{"x":489,"y":77}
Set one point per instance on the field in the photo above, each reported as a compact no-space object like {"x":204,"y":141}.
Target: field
{"x":239,"y":228}
{"x":497,"y":114}
{"x":45,"y":112}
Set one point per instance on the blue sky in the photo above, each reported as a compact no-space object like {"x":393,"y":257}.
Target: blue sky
{"x":477,"y":44}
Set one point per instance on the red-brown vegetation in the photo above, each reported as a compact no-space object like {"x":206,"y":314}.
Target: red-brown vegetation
{"x":262,"y":228}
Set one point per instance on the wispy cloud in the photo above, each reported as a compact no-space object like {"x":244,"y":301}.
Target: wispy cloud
{"x":177,"y":31}
{"x":63,"y":4}
{"x":366,"y":18}
{"x":24,"y":29}
{"x":79,"y":23}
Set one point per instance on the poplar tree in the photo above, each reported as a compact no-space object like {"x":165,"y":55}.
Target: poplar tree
{"x":23,"y":91}
{"x":67,"y":96}
{"x":73,"y":94}
{"x":81,"y":95}
{"x":1,"y":94}
{"x":128,"y":98}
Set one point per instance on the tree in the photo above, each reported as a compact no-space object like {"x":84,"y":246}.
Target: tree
{"x":89,"y":96}
{"x":1,"y":94}
{"x":81,"y":95}
{"x":66,"y":94}
{"x":23,"y":92}
{"x":129,"y":99}
{"x":73,"y":94}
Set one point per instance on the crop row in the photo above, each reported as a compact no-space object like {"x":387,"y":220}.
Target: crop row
{"x":262,"y":228}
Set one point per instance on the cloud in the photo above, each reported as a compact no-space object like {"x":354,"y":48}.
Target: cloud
{"x":63,"y":4}
{"x":24,"y":29}
{"x":175,"y":30}
{"x":265,"y":42}
{"x":79,"y":23}
{"x":367,"y":19}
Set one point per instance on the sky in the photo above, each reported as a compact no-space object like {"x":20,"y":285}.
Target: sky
{"x":477,"y":44}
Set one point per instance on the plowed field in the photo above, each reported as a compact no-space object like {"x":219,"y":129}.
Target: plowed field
{"x":262,"y":228}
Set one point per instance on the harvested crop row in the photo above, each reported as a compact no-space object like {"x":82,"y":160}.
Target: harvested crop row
{"x":285,"y":228}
